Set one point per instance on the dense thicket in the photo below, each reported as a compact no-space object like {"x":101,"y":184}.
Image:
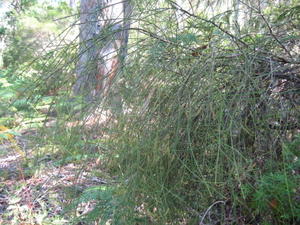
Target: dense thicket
{"x":209,"y":132}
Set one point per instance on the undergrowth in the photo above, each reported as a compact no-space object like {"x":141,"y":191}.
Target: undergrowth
{"x":209,"y":128}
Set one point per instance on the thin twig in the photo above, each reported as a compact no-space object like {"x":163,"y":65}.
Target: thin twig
{"x":209,"y":208}
{"x":258,"y":11}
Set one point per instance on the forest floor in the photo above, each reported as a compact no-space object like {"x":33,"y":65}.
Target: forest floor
{"x":35,"y":190}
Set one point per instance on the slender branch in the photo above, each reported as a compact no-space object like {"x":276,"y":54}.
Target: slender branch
{"x":176,"y":6}
{"x":274,"y":36}
{"x":258,"y":11}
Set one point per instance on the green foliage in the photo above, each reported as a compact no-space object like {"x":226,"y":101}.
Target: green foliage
{"x":8,"y":94}
{"x":2,"y":31}
{"x":276,"y":193}
{"x":33,"y":30}
{"x":208,"y":108}
{"x":201,"y":125}
{"x":109,"y":206}
{"x":103,"y":196}
{"x":16,"y":111}
{"x":291,"y":12}
{"x":293,"y":149}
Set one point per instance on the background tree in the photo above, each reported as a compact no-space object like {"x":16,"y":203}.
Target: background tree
{"x":103,"y":37}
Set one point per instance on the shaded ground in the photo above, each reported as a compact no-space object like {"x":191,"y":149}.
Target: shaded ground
{"x":35,"y":190}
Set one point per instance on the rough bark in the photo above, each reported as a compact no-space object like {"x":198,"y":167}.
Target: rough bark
{"x":103,"y":42}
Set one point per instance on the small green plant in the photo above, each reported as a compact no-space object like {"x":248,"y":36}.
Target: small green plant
{"x":104,"y":204}
{"x":277,"y":193}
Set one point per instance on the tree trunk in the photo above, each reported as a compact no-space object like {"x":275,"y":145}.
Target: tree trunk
{"x":103,"y":38}
{"x":72,"y":3}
